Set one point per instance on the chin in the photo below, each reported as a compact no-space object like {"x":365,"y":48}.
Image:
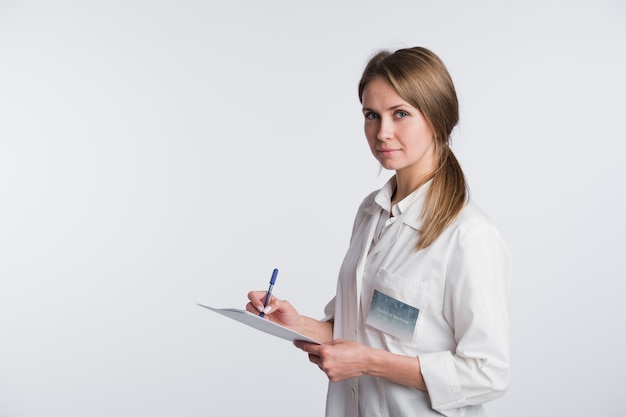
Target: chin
{"x":388,"y":166}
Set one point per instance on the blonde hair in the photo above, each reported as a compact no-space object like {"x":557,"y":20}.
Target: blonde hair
{"x":421,"y":78}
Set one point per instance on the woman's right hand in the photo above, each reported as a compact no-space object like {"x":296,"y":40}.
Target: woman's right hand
{"x":278,"y":311}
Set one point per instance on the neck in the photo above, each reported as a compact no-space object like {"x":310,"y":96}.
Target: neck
{"x":405,"y":186}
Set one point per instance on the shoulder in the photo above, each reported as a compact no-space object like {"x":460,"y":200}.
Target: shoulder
{"x":368,"y":201}
{"x":366,"y":209}
{"x":471,"y":214}
{"x":472,"y":221}
{"x":377,"y":198}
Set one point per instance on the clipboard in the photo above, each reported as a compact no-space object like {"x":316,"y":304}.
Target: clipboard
{"x":259,"y":323}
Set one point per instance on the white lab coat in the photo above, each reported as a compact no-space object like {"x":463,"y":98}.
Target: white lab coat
{"x":460,"y":286}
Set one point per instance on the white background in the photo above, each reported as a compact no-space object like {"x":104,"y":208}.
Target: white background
{"x":156,"y":153}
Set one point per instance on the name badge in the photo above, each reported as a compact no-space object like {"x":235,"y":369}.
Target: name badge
{"x":392,"y":316}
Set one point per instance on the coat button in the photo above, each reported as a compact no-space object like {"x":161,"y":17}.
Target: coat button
{"x":353,"y":334}
{"x":352,"y":393}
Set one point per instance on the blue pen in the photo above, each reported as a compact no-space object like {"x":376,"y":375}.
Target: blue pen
{"x":269,"y":291}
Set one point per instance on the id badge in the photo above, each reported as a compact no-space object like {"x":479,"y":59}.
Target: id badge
{"x":392,"y":316}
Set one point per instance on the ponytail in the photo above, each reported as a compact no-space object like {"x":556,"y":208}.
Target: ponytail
{"x":446,"y":197}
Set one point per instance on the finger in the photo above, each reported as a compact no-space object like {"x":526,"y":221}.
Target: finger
{"x":314,"y":348}
{"x":302,"y":345}
{"x":252,"y":309}
{"x":272,"y":306}
{"x":272,"y":300}
{"x":257,"y":299}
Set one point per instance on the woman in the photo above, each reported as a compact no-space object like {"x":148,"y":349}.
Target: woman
{"x":418,"y":326}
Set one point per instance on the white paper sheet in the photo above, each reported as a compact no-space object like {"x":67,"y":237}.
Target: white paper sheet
{"x":260,"y":323}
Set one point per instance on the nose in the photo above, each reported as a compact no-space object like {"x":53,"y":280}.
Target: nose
{"x":385,"y":130}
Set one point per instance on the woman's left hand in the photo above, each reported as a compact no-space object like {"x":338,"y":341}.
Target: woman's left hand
{"x":338,"y":359}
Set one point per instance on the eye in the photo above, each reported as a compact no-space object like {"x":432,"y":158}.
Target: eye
{"x":401,"y":114}
{"x":371,"y":115}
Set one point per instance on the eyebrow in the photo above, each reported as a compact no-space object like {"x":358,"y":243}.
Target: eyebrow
{"x":390,"y":108}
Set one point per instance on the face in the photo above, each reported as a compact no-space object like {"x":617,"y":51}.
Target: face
{"x":399,"y":136}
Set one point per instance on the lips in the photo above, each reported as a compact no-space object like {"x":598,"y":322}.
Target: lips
{"x":386,"y":151}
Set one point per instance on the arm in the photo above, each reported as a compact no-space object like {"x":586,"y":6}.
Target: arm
{"x":475,"y":305}
{"x":342,"y":359}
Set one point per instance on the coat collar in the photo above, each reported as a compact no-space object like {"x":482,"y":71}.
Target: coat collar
{"x":411,"y":205}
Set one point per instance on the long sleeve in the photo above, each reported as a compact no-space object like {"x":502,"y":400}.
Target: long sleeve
{"x":475,"y":306}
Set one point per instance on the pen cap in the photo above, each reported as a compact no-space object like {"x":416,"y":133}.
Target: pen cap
{"x":274,"y":274}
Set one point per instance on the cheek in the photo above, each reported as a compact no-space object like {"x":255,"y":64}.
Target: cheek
{"x":371,"y":140}
{"x":370,"y":134}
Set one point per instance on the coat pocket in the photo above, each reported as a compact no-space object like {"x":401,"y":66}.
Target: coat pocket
{"x":398,"y":308}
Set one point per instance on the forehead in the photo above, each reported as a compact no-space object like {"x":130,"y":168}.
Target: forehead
{"x":378,"y":92}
